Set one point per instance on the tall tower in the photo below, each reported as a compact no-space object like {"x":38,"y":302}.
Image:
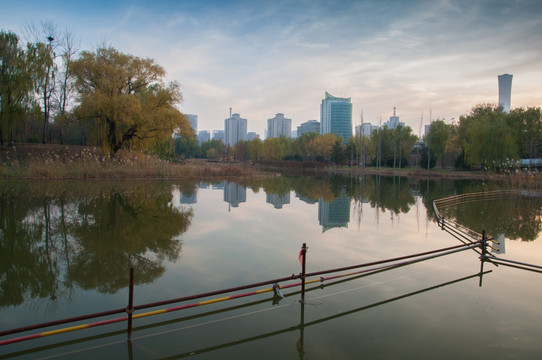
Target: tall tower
{"x":235,"y":129}
{"x":505,"y":91}
{"x":336,"y":116}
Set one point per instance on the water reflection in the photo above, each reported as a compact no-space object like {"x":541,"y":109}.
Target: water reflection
{"x":334,"y":214}
{"x":61,"y":235}
{"x":56,"y":236}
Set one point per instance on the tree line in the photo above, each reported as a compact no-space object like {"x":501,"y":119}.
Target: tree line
{"x":487,"y":137}
{"x":52,"y":92}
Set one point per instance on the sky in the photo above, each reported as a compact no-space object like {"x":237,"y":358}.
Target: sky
{"x":429,"y":59}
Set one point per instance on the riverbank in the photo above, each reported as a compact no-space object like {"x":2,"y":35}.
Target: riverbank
{"x":50,"y":161}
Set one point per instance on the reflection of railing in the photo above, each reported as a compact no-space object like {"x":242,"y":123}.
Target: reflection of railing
{"x":367,"y":268}
{"x":468,"y":236}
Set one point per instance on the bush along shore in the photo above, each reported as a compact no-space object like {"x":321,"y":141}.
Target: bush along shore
{"x":36,"y":161}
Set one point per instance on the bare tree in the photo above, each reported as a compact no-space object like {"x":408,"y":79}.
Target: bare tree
{"x":45,"y":33}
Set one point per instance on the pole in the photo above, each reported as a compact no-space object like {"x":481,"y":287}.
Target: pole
{"x":303,"y":266}
{"x":130,"y":308}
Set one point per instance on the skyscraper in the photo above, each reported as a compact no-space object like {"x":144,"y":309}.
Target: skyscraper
{"x":505,"y":91}
{"x":193,"y":121}
{"x":235,"y":129}
{"x":336,"y":116}
{"x":278,"y":126}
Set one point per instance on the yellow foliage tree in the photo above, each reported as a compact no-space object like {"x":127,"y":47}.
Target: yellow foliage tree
{"x":127,"y":99}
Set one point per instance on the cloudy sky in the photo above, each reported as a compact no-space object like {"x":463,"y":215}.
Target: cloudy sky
{"x":434,"y":58}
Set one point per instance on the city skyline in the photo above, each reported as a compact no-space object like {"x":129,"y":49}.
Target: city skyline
{"x":259,"y":58}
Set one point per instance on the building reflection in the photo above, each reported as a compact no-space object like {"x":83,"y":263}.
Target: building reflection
{"x":334,"y":214}
{"x":277,"y":200}
{"x":234,"y":194}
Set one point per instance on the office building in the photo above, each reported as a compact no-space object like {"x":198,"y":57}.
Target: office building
{"x":365,"y":129}
{"x":203,"y":136}
{"x":218,"y":135}
{"x":505,"y":91}
{"x":394,"y":122}
{"x":235,"y":130}
{"x":336,"y":116}
{"x":308,"y":127}
{"x":252,"y":135}
{"x":279,"y":125}
{"x":193,"y":119}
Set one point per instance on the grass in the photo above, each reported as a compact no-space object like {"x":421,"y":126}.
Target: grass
{"x":37,"y":161}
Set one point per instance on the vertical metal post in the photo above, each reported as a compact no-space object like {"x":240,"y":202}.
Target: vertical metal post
{"x":303,"y":264}
{"x":300,"y":345}
{"x":130,"y":308}
{"x":483,"y":257}
{"x":484,"y":245}
{"x":442,"y":223}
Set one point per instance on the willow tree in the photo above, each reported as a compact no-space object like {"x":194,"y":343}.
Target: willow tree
{"x":127,"y":99}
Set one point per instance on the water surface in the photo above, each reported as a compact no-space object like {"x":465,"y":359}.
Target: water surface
{"x":66,"y":249}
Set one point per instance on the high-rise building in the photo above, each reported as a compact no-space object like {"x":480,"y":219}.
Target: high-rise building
{"x":278,"y":126}
{"x":203,"y":136}
{"x":365,"y":129}
{"x":252,"y":135}
{"x":336,"y":116}
{"x":235,"y":129}
{"x":308,"y":127}
{"x":218,"y":135}
{"x":193,"y":122}
{"x":505,"y":91}
{"x":394,"y":122}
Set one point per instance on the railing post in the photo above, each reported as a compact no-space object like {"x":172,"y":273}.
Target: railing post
{"x":484,"y":245}
{"x":130,"y":308}
{"x":442,"y":223}
{"x":303,"y":266}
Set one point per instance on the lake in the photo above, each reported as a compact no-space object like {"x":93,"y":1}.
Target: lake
{"x":66,"y":249}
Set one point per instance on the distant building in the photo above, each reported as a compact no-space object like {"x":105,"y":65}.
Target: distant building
{"x":235,"y":130}
{"x":193,"y":122}
{"x":505,"y":91}
{"x":365,"y":129}
{"x":203,"y":136}
{"x":394,"y":122}
{"x":218,"y":135}
{"x":279,"y":125}
{"x":294,"y":134}
{"x":252,"y":135}
{"x":336,"y":116}
{"x":308,"y":127}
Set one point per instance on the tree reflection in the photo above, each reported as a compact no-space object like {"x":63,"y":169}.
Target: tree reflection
{"x":62,"y":236}
{"x":517,"y":218}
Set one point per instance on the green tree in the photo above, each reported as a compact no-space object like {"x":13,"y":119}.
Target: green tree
{"x":338,"y":155}
{"x":439,"y":133}
{"x":255,"y":149}
{"x":526,"y":125}
{"x":17,"y":75}
{"x":487,"y":140}
{"x":127,"y":99}
{"x":216,"y":146}
{"x":187,"y":147}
